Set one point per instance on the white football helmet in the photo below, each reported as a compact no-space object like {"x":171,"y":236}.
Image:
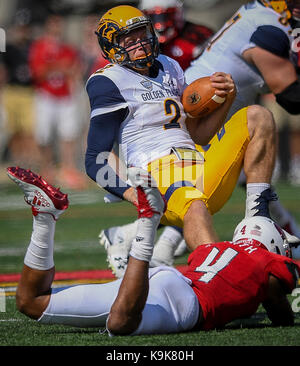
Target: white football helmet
{"x":263,"y":232}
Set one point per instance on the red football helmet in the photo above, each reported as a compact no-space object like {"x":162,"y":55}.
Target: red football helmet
{"x":167,"y":17}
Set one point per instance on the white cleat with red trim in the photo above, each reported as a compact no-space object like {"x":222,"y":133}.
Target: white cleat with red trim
{"x":40,"y":195}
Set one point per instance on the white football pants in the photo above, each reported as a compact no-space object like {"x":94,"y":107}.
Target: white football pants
{"x":171,"y":307}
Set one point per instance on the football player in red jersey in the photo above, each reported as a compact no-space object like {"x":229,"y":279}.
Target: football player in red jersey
{"x":224,"y":281}
{"x":55,"y":68}
{"x":178,"y":38}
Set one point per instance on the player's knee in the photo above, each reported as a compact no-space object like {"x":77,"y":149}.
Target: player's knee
{"x":261,"y":122}
{"x":196,"y":209}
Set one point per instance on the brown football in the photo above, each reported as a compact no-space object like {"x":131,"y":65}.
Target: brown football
{"x":199,"y":98}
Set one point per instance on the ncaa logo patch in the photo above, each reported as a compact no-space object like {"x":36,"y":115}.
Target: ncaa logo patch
{"x":147,"y":84}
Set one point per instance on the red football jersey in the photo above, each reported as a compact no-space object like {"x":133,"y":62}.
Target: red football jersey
{"x":49,"y":62}
{"x":230,"y":280}
{"x":188,"y":45}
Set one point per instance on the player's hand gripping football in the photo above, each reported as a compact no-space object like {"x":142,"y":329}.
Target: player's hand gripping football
{"x":150,"y":200}
{"x":223,"y":84}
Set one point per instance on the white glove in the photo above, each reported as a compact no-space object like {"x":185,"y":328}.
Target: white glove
{"x":150,"y":200}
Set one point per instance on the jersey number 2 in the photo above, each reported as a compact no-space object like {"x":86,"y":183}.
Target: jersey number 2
{"x":172,"y":109}
{"x":209,"y":269}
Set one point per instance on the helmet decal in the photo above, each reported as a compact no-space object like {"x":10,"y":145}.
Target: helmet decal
{"x":108,"y":29}
{"x":262,"y":232}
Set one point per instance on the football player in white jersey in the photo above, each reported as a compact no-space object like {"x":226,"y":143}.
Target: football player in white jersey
{"x":254,"y":47}
{"x":135,"y":101}
{"x":263,"y":31}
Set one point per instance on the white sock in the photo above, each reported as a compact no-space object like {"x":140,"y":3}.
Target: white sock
{"x":279,"y":213}
{"x":170,"y":235}
{"x":39,"y":253}
{"x":256,"y":188}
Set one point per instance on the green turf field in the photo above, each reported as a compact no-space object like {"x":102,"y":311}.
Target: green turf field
{"x":77,"y":248}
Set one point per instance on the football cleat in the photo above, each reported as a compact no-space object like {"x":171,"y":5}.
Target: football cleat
{"x":117,"y":243}
{"x":40,"y":195}
{"x":163,"y":254}
{"x":181,"y":249}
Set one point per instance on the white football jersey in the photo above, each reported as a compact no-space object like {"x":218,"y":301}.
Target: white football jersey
{"x":156,"y":119}
{"x":225,"y":49}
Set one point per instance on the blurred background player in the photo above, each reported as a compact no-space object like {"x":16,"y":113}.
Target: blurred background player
{"x":55,"y":68}
{"x":18,"y":94}
{"x":178,"y":38}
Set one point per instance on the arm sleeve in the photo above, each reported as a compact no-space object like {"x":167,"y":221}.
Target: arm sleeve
{"x":108,"y":111}
{"x":272,"y":39}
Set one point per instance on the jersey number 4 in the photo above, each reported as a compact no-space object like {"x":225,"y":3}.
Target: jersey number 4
{"x":211,"y":270}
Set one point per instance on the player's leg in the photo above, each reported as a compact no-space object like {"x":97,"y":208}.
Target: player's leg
{"x":249,"y":138}
{"x":83,"y":305}
{"x":259,"y":160}
{"x":33,"y":292}
{"x":182,"y":184}
{"x":260,"y":154}
{"x":198,"y":226}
